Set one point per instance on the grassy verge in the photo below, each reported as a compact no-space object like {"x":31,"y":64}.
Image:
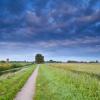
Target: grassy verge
{"x":11,"y":83}
{"x":10,"y":67}
{"x":61,"y":84}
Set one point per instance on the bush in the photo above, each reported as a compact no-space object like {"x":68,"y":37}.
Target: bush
{"x":16,"y":65}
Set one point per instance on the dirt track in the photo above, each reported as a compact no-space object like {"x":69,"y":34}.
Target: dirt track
{"x":28,"y":91}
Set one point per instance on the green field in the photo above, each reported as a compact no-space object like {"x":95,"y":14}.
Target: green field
{"x":55,"y":82}
{"x":11,"y":83}
{"x":8,"y":67}
{"x":68,"y":82}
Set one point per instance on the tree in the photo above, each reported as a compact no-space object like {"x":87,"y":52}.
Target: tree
{"x":97,"y":61}
{"x":39,"y":58}
{"x":7,"y":60}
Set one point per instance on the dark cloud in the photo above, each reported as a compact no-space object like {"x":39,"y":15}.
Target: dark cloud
{"x":13,"y":6}
{"x":17,"y":6}
{"x":51,"y":21}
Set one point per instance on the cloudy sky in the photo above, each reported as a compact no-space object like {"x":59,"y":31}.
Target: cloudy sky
{"x":59,"y":29}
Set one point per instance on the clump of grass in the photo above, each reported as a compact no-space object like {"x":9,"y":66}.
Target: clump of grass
{"x":56,"y":83}
{"x":11,"y":84}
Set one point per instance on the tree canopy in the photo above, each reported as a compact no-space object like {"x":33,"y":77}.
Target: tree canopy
{"x":39,"y":58}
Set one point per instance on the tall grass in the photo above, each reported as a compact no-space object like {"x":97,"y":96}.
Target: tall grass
{"x":55,"y":83}
{"x":5,"y":67}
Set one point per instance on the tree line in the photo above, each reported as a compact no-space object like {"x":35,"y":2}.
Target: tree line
{"x":39,"y":58}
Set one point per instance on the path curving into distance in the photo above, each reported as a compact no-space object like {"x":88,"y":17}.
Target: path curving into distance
{"x":28,"y":90}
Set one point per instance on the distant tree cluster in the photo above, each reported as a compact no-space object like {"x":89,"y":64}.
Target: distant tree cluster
{"x":2,"y":61}
{"x":53,"y":61}
{"x":94,"y":61}
{"x":72,"y":61}
{"x":5,"y":61}
{"x":39,"y":59}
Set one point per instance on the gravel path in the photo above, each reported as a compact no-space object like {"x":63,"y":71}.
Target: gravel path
{"x":28,"y":91}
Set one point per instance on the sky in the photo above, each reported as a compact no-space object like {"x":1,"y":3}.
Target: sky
{"x":59,"y":29}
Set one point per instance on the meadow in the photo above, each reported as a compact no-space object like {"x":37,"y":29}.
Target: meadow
{"x":11,"y":83}
{"x":11,"y":66}
{"x":68,"y":82}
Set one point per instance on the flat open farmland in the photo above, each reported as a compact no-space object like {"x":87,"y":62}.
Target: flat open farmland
{"x":68,"y":82}
{"x":11,"y":83}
